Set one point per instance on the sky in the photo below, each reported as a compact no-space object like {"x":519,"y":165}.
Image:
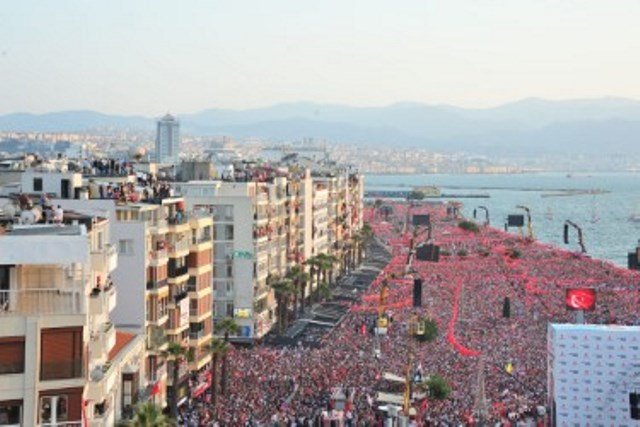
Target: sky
{"x":151,"y":56}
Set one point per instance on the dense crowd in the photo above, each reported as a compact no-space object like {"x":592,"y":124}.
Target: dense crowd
{"x":464,"y":294}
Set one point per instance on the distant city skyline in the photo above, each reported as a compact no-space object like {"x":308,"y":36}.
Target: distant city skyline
{"x":150,"y":57}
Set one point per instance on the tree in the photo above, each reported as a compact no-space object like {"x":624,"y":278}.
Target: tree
{"x":283,"y":290}
{"x":217,"y":348}
{"x":438,"y":387}
{"x":416,"y":195}
{"x":299,"y":277}
{"x":327,"y":262}
{"x":150,"y":415}
{"x":323,"y":290}
{"x":177,"y":354}
{"x":314,"y":263}
{"x":469,"y":226}
{"x":226,"y":326}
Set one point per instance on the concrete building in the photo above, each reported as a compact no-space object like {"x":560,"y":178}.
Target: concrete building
{"x":62,"y":362}
{"x":165,"y":280}
{"x":168,"y":140}
{"x":261,"y":229}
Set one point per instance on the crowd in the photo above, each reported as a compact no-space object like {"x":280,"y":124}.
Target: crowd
{"x":464,"y":294}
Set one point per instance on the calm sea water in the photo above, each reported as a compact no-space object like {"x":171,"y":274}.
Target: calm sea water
{"x":604,"y":218}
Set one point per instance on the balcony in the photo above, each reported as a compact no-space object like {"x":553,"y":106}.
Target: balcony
{"x":102,"y":342}
{"x":159,"y":227}
{"x":38,"y":302}
{"x":102,"y":302}
{"x":175,"y":272}
{"x":157,"y":285}
{"x":102,"y":379}
{"x":157,"y":338}
{"x":158,"y":257}
{"x":105,"y":260}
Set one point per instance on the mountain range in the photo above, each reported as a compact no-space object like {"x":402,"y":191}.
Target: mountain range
{"x":529,"y":126}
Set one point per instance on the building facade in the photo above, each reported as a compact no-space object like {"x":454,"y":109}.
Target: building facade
{"x":62,"y":362}
{"x":168,"y":140}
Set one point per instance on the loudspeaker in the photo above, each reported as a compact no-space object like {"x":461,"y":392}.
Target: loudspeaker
{"x":424,"y":219}
{"x":506,"y":308}
{"x":634,"y":401}
{"x":417,"y":292}
{"x":515,"y":220}
{"x":428,"y":253}
{"x":632,"y":258}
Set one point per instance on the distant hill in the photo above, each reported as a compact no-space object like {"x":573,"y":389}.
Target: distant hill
{"x":529,"y":126}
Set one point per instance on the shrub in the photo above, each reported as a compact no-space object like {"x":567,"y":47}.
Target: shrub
{"x":469,"y":226}
{"x":438,"y":387}
{"x":463,"y":253}
{"x":513,"y":253}
{"x":430,"y":330}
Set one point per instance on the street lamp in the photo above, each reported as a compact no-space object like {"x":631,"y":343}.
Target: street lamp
{"x":486,"y":214}
{"x":568,"y":223}
{"x":529,"y":225}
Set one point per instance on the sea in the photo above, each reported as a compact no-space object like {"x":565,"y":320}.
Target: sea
{"x":604,"y":216}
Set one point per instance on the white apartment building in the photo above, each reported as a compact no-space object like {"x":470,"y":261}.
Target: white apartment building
{"x":261,"y":228}
{"x":62,"y":362}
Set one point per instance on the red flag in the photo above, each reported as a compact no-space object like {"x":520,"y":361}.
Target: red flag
{"x":155,"y":389}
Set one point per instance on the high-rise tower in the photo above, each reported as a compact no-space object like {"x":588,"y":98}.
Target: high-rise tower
{"x":168,"y":140}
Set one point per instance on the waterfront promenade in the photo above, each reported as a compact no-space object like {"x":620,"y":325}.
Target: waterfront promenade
{"x":464,"y":294}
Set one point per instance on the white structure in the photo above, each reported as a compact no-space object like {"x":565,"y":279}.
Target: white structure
{"x":592,"y":369}
{"x":60,"y":359}
{"x":62,"y":184}
{"x":260,"y":230}
{"x":168,"y":140}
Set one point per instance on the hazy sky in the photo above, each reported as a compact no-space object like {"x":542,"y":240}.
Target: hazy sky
{"x":147,"y":57}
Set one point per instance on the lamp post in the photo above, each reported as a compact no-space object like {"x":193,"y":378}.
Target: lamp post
{"x":568,"y":223}
{"x":487,"y":221}
{"x":529,"y":224}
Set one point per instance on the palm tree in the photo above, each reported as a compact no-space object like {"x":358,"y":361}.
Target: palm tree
{"x":324,"y":291}
{"x":150,"y":415}
{"x":217,"y":348}
{"x":300,"y":279}
{"x":176,"y":353}
{"x":283,"y":289}
{"x":314,"y":264}
{"x":226,"y":326}
{"x":328,"y":263}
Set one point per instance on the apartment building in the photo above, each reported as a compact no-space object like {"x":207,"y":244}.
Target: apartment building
{"x":164,"y":274}
{"x":62,"y":361}
{"x":261,"y":229}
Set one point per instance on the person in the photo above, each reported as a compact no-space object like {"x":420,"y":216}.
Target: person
{"x":58,"y":215}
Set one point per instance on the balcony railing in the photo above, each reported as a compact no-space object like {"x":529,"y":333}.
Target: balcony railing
{"x":157,"y":338}
{"x":178,"y":271}
{"x":41,"y":301}
{"x":197,"y":335}
{"x":154,"y":285}
{"x":61,"y":370}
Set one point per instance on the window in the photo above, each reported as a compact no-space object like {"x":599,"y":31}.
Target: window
{"x":61,"y":353}
{"x":125,"y":247}
{"x":37,"y":184}
{"x":11,"y":412}
{"x":54,"y":409}
{"x":11,"y":355}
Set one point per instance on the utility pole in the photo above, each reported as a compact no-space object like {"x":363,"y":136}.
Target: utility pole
{"x":480,"y":407}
